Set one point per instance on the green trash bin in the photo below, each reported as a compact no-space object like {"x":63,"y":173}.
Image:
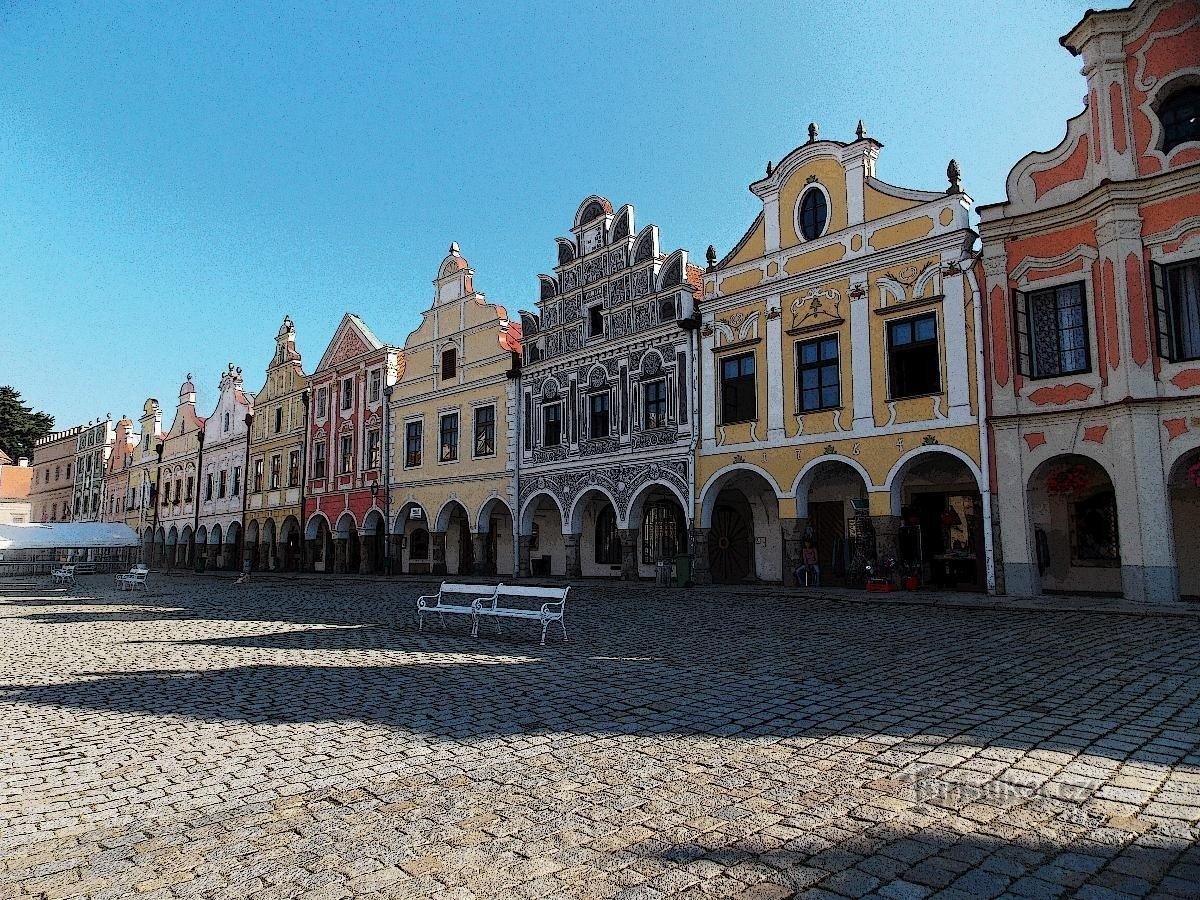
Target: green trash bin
{"x":683,"y":570}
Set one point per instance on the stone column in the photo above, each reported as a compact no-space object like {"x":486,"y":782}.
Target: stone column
{"x":397,"y":552}
{"x":479,"y":563}
{"x":698,"y":544}
{"x":629,"y":554}
{"x":366,"y":553}
{"x":523,"y":542}
{"x":437,"y":542}
{"x":571,"y":545}
{"x":793,"y":532}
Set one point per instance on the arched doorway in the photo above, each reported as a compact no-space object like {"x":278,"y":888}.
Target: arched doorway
{"x":940,"y":534}
{"x":215,"y":546}
{"x":348,"y":552}
{"x":147,"y":545}
{"x":455,"y":526}
{"x":831,"y":494}
{"x":741,"y":512}
{"x":289,"y":542}
{"x":200,"y":550}
{"x":496,"y":527}
{"x":187,"y":547}
{"x":657,"y":516}
{"x":374,"y":542}
{"x":413,"y":547}
{"x":321,"y":545}
{"x":1073,"y":514}
{"x":233,"y":546}
{"x":268,"y":547}
{"x":160,"y":547}
{"x":594,"y":521}
{"x":172,"y":547}
{"x":1184,"y":489}
{"x":543,"y":550}
{"x":258,"y":558}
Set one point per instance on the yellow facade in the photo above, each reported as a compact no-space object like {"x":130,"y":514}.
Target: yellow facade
{"x":451,"y":449}
{"x":275,"y":472}
{"x":858,"y":319}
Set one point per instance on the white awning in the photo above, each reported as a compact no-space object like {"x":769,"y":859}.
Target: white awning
{"x":66,"y":535}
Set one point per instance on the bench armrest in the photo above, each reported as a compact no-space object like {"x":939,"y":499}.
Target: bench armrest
{"x":422,"y":604}
{"x":546,"y":607}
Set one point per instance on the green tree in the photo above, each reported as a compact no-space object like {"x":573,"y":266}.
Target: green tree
{"x":20,"y":426}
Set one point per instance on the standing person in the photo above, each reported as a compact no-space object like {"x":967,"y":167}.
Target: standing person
{"x":809,"y":566}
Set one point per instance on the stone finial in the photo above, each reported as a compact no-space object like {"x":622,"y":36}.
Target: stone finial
{"x":861,"y":131}
{"x":454,"y":248}
{"x":711,"y":256}
{"x":770,"y":168}
{"x":813,"y":131}
{"x":954,"y":176}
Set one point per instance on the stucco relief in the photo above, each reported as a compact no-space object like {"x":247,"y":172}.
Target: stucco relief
{"x":623,"y":482}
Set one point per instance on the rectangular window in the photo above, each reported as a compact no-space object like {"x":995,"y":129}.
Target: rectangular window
{"x":322,"y":402}
{"x":1177,"y":309}
{"x":598,"y":421}
{"x":448,"y":438}
{"x":914,"y":363}
{"x":655,"y":394}
{"x":319,"y":460}
{"x":294,"y":468}
{"x":376,"y":385}
{"x":178,"y":490}
{"x":237,"y":481}
{"x":412,"y":444}
{"x":190,"y":484}
{"x":1052,"y":332}
{"x":347,"y":393}
{"x":276,"y":471}
{"x":485,"y":430}
{"x":552,"y":425}
{"x":449,"y":364}
{"x":817,"y":374}
{"x":374,"y":449}
{"x":257,"y":485}
{"x":346,"y":456}
{"x":279,"y":420}
{"x":208,"y":486}
{"x":221,"y":484}
{"x":595,"y":321}
{"x":739,"y":397}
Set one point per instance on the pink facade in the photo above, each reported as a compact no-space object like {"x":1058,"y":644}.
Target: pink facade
{"x":1092,"y":314}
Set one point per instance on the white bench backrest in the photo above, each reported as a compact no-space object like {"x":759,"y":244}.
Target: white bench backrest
{"x":475,"y":590}
{"x":551,"y":594}
{"x":139,"y":570}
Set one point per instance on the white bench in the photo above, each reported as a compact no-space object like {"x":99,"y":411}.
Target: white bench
{"x":63,"y":575}
{"x":133,"y":579}
{"x":551,"y":606}
{"x":455,"y":599}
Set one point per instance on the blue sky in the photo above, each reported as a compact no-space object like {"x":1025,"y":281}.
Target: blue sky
{"x":175,"y":178}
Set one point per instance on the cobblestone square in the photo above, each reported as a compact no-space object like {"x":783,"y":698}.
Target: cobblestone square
{"x":302,"y":739}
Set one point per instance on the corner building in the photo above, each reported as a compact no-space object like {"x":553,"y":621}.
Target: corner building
{"x":453,"y":434}
{"x":275,"y":472}
{"x":840,"y":380}
{"x":607,"y":399}
{"x":1093,"y":314}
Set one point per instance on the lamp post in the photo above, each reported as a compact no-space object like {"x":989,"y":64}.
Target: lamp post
{"x":249,"y":557}
{"x":387,"y":479}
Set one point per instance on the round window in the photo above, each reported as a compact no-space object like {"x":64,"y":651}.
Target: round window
{"x":814,"y":214}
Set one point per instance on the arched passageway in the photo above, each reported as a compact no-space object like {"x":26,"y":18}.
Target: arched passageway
{"x":495,"y":539}
{"x":1184,"y":489}
{"x":740,"y":519}
{"x":543,"y":547}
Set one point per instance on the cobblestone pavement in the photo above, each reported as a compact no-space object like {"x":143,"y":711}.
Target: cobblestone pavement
{"x":301,"y":739}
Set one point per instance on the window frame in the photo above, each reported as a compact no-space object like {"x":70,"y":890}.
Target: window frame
{"x":322,"y":401}
{"x":411,"y":454}
{"x":815,"y":188}
{"x":1166,"y":310}
{"x":490,"y":409}
{"x":654,"y":383}
{"x":375,"y":386}
{"x":935,"y":341}
{"x":820,"y":364}
{"x":604,"y":415}
{"x":723,"y":386}
{"x":595,"y":315}
{"x":1167,"y":143}
{"x":448,"y":372}
{"x":1024,"y":331}
{"x":276,"y":473}
{"x":374,"y":449}
{"x":448,"y":452}
{"x":294,"y":468}
{"x":346,"y":454}
{"x":557,"y":406}
{"x":256,"y":477}
{"x":320,"y":460}
{"x":348,"y":393}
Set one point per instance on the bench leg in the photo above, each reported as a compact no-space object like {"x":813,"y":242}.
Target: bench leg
{"x":563,"y":625}
{"x":420,"y":620}
{"x":545,"y":625}
{"x":474,"y":626}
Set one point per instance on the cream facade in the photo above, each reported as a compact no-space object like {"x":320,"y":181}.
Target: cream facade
{"x":275,"y":470}
{"x":222,"y":466}
{"x":173,"y":489}
{"x":114,"y":500}
{"x":840,"y":394}
{"x":452,"y":434}
{"x":53,"y":487}
{"x":144,"y":470}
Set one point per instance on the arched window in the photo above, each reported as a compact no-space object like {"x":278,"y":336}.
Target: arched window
{"x":608,"y":539}
{"x":814,"y":214}
{"x":1180,"y":117}
{"x":418,"y":546}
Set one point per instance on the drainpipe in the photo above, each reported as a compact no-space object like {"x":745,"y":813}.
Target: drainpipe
{"x":387,"y":479}
{"x":196,"y":499}
{"x":304,"y":399}
{"x":154,"y":495}
{"x":246,"y":489}
{"x":514,"y":377}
